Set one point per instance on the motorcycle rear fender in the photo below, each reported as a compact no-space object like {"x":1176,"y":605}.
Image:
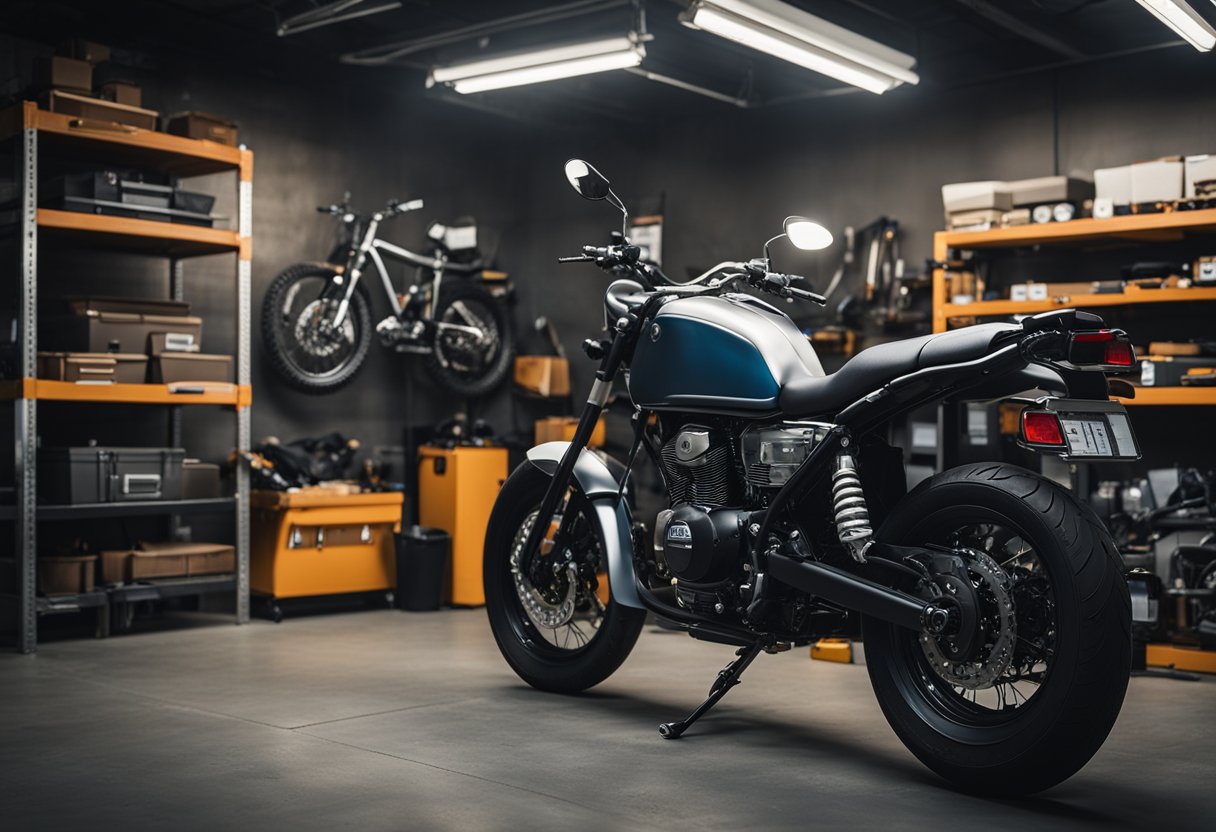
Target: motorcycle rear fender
{"x":611,"y":514}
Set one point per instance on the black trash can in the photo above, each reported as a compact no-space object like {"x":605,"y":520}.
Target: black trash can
{"x":422,"y":568}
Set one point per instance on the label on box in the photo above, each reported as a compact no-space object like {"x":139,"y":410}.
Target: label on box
{"x":1148,"y":373}
{"x":1037,"y":291}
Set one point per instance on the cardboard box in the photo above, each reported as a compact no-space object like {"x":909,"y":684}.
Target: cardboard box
{"x":97,"y":109}
{"x":1173,"y":348}
{"x":1114,"y":184}
{"x":203,"y":126}
{"x":976,"y":196}
{"x":545,"y":375}
{"x":561,"y":429}
{"x":65,"y":575}
{"x":93,"y":367}
{"x":1041,"y":189}
{"x":1158,"y":181}
{"x":122,"y":92}
{"x":969,"y":219}
{"x":84,"y":50}
{"x":63,"y":73}
{"x":1197,"y":169}
{"x":174,"y":367}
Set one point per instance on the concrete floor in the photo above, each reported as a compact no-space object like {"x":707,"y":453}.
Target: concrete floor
{"x":389,"y":720}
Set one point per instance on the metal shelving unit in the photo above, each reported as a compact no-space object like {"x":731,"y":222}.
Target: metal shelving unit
{"x":67,"y":137}
{"x":1137,"y":228}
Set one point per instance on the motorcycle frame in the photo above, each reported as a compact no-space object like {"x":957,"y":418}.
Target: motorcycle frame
{"x":371,"y":246}
{"x":1012,"y":360}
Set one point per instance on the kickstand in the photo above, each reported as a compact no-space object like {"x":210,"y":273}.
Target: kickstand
{"x":728,"y":677}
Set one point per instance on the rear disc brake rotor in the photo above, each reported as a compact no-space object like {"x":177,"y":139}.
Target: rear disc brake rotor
{"x":999,"y":625}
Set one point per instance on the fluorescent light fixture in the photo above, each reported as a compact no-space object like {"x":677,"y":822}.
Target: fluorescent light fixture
{"x":1184,"y":20}
{"x":780,"y":30}
{"x":540,"y":65}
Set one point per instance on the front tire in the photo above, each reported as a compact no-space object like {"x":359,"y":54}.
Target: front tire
{"x":302,"y":348}
{"x":1011,"y":743}
{"x":549,"y":661}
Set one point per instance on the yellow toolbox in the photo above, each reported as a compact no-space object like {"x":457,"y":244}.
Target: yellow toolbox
{"x":457,"y":488}
{"x":309,"y":543}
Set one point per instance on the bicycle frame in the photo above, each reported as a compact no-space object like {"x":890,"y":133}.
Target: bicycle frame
{"x":371,"y":247}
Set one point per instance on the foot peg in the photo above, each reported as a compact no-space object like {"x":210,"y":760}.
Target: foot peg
{"x":728,"y":677}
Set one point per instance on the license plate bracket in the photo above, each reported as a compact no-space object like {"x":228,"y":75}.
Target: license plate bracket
{"x":1093,"y":430}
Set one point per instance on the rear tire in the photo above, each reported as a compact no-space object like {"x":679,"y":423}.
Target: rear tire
{"x":463,"y":293}
{"x":539,"y":663}
{"x":1044,"y":739}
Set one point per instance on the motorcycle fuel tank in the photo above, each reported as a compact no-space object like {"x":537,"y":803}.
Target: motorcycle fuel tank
{"x":725,"y":354}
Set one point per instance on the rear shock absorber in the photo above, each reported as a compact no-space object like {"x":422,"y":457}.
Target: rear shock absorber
{"x":849,"y":508}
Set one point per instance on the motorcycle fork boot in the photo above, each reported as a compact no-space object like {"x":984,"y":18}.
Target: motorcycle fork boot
{"x":728,"y":677}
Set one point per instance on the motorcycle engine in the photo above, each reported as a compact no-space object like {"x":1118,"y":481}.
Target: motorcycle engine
{"x":700,"y":538}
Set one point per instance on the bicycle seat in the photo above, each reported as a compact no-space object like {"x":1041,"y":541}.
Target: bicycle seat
{"x":870,"y":369}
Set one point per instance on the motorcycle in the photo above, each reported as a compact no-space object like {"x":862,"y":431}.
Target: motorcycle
{"x":316,"y":317}
{"x":993,"y":606}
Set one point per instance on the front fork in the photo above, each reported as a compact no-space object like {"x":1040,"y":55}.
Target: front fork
{"x":582,"y":435}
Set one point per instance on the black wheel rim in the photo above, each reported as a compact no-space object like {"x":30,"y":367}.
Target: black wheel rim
{"x":304,"y":331}
{"x":463,"y":354}
{"x":589,"y":613}
{"x":957,"y":710}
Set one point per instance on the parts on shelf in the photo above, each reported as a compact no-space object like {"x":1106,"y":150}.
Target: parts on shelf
{"x":200,"y":480}
{"x":202,"y":126}
{"x":308,"y":461}
{"x":174,"y":367}
{"x":76,"y":476}
{"x":90,"y":109}
{"x":126,"y":194}
{"x":93,"y":367}
{"x":544,"y":375}
{"x":66,"y":574}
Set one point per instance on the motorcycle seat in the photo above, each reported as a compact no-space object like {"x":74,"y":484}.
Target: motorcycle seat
{"x":870,"y":369}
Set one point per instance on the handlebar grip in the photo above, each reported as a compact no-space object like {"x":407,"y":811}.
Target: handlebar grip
{"x":326,"y":209}
{"x":578,"y":258}
{"x":412,"y":205}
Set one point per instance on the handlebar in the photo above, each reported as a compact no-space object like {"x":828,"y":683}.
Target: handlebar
{"x":393,"y":207}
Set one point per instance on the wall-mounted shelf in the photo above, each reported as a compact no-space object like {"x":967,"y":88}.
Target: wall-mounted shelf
{"x":1129,"y":296}
{"x":127,"y":234}
{"x":1172,"y":396}
{"x":179,"y":393}
{"x":1173,"y":225}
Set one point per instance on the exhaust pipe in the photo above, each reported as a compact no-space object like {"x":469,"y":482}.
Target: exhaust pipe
{"x":850,"y":591}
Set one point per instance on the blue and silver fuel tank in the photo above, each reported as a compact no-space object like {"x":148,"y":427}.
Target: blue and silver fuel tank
{"x":731,"y":353}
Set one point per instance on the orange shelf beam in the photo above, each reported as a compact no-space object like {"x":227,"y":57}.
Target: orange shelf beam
{"x":1143,"y":226}
{"x":176,"y":154}
{"x":1129,"y":296}
{"x":125,"y":232}
{"x":1184,"y":396}
{"x":232,"y":395}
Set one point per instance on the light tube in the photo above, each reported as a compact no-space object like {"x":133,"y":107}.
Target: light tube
{"x":1184,"y":20}
{"x":801,"y":38}
{"x":539,"y":66}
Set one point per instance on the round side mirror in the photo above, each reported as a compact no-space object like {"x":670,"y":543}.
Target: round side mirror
{"x":807,"y":234}
{"x":586,"y":180}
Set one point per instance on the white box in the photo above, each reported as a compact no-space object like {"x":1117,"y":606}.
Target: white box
{"x":1159,"y":181}
{"x":1200,"y":168}
{"x":1036,"y":291}
{"x":1114,"y":184}
{"x":976,"y":196}
{"x":1019,"y":291}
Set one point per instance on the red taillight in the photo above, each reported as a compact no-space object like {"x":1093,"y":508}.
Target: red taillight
{"x":1118,"y":354}
{"x":1041,"y":428}
{"x":1100,"y":348}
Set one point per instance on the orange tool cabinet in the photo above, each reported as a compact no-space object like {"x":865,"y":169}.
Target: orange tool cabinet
{"x":457,"y":488}
{"x":316,"y":543}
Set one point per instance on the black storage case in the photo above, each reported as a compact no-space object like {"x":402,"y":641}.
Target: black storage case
{"x":80,"y":476}
{"x":422,"y":568}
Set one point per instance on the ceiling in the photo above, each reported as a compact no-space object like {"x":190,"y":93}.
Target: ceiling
{"x":956,"y":42}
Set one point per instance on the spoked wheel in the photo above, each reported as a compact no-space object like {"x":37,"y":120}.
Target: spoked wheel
{"x":302,"y":342}
{"x":1035,"y":695}
{"x":557,"y":627}
{"x":474,"y":341}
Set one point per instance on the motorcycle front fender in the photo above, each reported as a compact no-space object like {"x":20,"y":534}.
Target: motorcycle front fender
{"x":611,"y":514}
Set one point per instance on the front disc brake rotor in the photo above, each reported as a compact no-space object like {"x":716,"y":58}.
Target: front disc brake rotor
{"x":997,"y":621}
{"x":546,"y":613}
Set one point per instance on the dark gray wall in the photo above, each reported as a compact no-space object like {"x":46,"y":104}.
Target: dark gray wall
{"x":728,"y":180}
